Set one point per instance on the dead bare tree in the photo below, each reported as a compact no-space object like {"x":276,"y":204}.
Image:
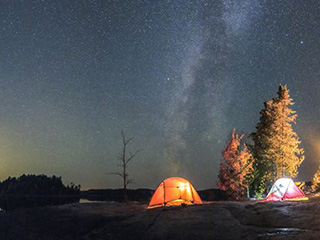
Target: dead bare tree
{"x":124,"y":161}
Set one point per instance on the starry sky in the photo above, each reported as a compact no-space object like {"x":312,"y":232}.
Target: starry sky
{"x":175,"y":75}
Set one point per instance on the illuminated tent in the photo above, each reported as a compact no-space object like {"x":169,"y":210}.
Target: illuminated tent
{"x":284,"y":189}
{"x":174,"y":191}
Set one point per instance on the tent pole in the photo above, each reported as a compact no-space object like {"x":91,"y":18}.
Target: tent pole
{"x":286,"y":189}
{"x":164,"y":194}
{"x":191,"y":193}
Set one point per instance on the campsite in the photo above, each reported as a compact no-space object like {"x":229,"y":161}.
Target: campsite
{"x":215,"y":220}
{"x":174,"y":211}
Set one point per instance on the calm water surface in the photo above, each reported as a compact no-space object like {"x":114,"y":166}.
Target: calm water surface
{"x":14,"y":202}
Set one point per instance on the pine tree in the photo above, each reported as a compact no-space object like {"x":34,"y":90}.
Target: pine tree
{"x":233,"y":175}
{"x":316,"y":180}
{"x":276,"y":146}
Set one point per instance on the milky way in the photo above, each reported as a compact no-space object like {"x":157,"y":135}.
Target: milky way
{"x":176,"y":75}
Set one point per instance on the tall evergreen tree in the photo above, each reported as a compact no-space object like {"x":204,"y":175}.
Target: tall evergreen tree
{"x":276,"y":145}
{"x":316,"y":180}
{"x":234,"y":171}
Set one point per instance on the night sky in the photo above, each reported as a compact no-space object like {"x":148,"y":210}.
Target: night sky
{"x":176,"y":75}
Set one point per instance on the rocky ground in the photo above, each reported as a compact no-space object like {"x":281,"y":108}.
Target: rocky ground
{"x":217,"y":220}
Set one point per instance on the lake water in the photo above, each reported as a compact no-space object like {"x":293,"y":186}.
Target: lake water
{"x":83,"y":200}
{"x":15,"y":202}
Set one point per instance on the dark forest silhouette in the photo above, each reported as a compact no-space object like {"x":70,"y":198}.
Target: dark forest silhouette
{"x":36,"y":190}
{"x":37,"y":185}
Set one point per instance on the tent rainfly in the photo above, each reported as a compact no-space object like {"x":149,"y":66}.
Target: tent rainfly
{"x":284,"y":189}
{"x":174,"y":191}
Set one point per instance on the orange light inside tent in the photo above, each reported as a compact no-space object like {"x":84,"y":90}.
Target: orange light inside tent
{"x":174,"y":191}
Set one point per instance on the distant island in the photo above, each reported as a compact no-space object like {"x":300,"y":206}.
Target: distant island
{"x":35,"y":191}
{"x":37,"y":185}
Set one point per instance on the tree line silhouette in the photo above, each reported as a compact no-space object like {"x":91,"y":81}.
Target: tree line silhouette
{"x":37,"y":185}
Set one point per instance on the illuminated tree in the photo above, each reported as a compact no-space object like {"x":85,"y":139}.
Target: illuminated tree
{"x":124,"y":161}
{"x":316,"y":180}
{"x":276,"y":146}
{"x":235,"y":171}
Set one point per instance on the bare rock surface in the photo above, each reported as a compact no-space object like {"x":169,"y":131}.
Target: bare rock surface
{"x":216,"y":220}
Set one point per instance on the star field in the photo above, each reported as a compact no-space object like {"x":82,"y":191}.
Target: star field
{"x":176,"y":75}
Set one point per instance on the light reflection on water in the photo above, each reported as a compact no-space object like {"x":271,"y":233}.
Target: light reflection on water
{"x":283,"y":231}
{"x":83,"y":200}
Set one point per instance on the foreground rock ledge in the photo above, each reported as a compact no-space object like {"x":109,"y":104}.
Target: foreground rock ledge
{"x":218,"y":220}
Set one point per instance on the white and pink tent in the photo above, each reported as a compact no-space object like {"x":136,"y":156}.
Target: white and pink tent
{"x":284,"y":189}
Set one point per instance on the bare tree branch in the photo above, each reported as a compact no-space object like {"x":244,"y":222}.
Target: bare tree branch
{"x":132,"y":156}
{"x":116,"y":173}
{"x":125,"y":142}
{"x":123,"y":137}
{"x":129,"y":140}
{"x":122,"y":156}
{"x":129,"y":181}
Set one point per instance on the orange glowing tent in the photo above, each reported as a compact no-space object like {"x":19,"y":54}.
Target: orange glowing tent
{"x":284,"y":189}
{"x":174,"y":191}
